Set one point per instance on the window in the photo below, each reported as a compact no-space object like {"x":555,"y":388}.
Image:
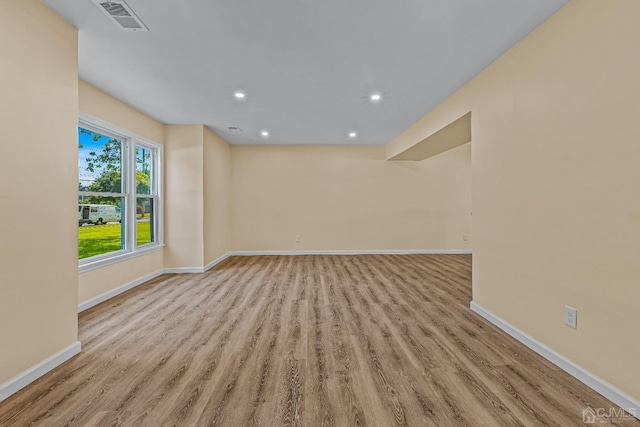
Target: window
{"x":119,"y":194}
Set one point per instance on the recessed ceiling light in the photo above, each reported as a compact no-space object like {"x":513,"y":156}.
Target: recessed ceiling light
{"x":239,"y":95}
{"x":264,"y":133}
{"x":352,"y":134}
{"x":375,"y":97}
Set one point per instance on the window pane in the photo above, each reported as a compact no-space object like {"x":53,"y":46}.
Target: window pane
{"x":143,"y":170}
{"x":100,"y":225}
{"x":145,"y":220}
{"x":99,"y":162}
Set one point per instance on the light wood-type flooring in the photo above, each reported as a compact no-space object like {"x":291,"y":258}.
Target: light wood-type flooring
{"x":376,"y":340}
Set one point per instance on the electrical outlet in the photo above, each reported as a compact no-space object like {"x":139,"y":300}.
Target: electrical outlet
{"x":570,"y":317}
{"x":465,"y":237}
{"x":298,"y":238}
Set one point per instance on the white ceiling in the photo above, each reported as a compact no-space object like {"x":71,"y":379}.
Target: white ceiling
{"x":308,"y":67}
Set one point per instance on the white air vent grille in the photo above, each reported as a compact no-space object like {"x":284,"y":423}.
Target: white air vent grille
{"x":128,"y":23}
{"x":122,"y":15}
{"x":115,"y":9}
{"x":234,"y":128}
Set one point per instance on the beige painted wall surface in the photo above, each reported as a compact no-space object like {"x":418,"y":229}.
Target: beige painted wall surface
{"x":348,"y":198}
{"x":556,"y":180}
{"x":183,"y":196}
{"x":38,"y":167}
{"x":97,"y":103}
{"x":217,"y":196}
{"x":101,"y":280}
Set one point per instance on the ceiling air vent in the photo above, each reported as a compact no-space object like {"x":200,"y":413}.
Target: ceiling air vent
{"x":122,"y":15}
{"x":234,"y":128}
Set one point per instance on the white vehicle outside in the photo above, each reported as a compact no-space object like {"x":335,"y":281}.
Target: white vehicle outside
{"x":98,"y":214}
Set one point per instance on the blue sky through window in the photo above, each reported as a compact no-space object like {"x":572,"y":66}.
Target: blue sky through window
{"x":88,"y":145}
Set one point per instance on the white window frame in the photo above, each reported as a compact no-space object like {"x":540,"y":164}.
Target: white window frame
{"x":130,"y":141}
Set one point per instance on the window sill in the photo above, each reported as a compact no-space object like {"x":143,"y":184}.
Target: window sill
{"x":103,"y":262}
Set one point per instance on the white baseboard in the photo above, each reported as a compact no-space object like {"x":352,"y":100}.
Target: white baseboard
{"x":30,"y":375}
{"x":356,"y":252}
{"x":182,"y":270}
{"x":216,"y":261}
{"x":112,"y":293}
{"x":626,"y":402}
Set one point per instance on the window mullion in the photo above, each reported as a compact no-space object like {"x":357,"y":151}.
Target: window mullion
{"x":130,"y":190}
{"x":154,"y":172}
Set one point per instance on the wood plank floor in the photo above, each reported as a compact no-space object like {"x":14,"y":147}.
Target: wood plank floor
{"x":376,"y":340}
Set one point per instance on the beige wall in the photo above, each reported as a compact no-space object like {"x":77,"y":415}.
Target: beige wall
{"x":556,"y":181}
{"x":101,"y":280}
{"x":99,"y":104}
{"x":197,"y":188}
{"x":183,"y":196}
{"x":348,"y":198}
{"x":217,"y":196}
{"x":38,"y":167}
{"x":105,"y":107}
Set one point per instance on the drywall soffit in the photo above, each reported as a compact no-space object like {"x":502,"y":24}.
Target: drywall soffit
{"x":453,"y":135}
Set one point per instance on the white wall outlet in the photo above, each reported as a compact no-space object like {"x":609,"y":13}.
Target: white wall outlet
{"x":298,"y":238}
{"x":465,"y":237}
{"x":570,"y":317}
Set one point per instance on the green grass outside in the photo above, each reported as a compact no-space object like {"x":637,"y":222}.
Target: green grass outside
{"x":100,"y":239}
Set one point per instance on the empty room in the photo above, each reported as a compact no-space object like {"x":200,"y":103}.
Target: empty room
{"x":320,"y":213}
